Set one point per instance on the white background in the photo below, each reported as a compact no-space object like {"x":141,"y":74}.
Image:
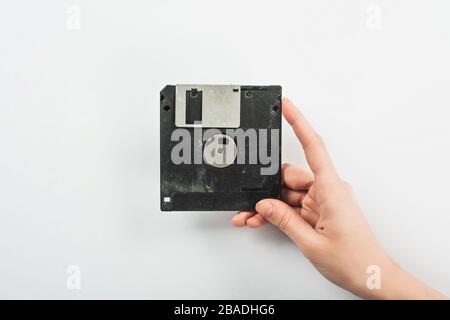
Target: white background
{"x":79,"y":139}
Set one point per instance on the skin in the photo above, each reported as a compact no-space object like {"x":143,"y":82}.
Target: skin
{"x":320,"y":214}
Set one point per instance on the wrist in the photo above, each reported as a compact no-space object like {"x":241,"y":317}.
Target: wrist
{"x":397,"y":284}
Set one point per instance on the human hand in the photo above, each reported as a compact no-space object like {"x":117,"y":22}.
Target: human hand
{"x":320,"y":214}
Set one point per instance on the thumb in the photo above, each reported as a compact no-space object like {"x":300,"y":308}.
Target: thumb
{"x":289,"y":221}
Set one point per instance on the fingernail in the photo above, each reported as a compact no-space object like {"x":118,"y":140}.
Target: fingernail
{"x":264,"y":207}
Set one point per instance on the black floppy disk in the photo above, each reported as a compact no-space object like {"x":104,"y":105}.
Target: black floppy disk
{"x":220,"y":146}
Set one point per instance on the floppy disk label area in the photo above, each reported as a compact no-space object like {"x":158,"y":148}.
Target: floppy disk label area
{"x":208,"y":106}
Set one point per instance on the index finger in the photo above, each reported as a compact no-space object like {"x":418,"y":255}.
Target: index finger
{"x":315,"y":151}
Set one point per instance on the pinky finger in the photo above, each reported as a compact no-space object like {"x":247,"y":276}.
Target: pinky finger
{"x":240,"y":219}
{"x":256,"y":221}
